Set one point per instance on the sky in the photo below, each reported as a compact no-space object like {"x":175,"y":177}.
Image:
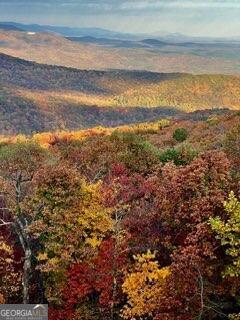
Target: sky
{"x":218,"y":18}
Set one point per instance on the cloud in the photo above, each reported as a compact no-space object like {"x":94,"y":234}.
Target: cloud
{"x":185,"y":16}
{"x":126,"y":5}
{"x":151,"y":4}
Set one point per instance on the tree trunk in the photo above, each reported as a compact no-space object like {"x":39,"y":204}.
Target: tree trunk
{"x":26,"y":275}
{"x":113,"y":297}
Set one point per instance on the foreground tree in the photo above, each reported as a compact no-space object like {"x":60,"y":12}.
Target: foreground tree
{"x":228,"y":232}
{"x":70,"y":226}
{"x":171,"y":218}
{"x":18,"y":165}
{"x":94,"y":285}
{"x":143,"y":287}
{"x":9,"y":276}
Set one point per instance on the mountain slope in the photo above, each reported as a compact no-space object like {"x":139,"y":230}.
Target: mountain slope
{"x":26,"y":74}
{"x":188,"y":93}
{"x":9,"y":27}
{"x":70,"y":31}
{"x":35,"y":97}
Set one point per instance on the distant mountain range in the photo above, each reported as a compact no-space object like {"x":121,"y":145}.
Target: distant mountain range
{"x":36,"y":97}
{"x":9,"y":27}
{"x":101,"y":53}
{"x":104,"y":33}
{"x":68,"y":31}
{"x":156,"y":43}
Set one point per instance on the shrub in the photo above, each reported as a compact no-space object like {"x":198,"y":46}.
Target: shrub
{"x":180,"y":134}
{"x":164,"y":123}
{"x":170,"y":154}
{"x":212,"y":121}
{"x":231,"y":145}
{"x":135,"y":152}
{"x":180,"y":156}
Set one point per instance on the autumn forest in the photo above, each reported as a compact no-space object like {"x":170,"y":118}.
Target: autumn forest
{"x":119,"y":187}
{"x":138,"y":222}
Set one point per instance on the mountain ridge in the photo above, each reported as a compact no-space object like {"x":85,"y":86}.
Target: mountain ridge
{"x":69,"y":31}
{"x":36,"y":97}
{"x":53,"y":49}
{"x":102,"y":32}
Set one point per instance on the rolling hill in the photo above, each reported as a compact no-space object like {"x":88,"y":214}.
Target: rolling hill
{"x":103,"y":53}
{"x":36,"y":97}
{"x":70,"y":31}
{"x":110,"y":34}
{"x":9,"y":27}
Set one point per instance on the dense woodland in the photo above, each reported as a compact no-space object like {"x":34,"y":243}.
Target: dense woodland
{"x":136,"y":222}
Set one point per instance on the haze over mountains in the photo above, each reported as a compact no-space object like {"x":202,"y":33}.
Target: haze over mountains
{"x":98,"y":49}
{"x":57,"y":78}
{"x":104,"y":33}
{"x":68,"y":31}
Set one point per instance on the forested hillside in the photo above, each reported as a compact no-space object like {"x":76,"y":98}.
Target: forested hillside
{"x":35,"y":97}
{"x":186,"y":92}
{"x":137,"y":222}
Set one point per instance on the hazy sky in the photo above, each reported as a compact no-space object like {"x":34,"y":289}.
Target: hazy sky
{"x":193,"y":17}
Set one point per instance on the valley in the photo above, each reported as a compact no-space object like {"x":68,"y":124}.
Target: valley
{"x":36,"y":97}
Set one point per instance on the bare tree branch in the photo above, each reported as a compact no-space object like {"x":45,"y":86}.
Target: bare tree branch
{"x":5,"y":223}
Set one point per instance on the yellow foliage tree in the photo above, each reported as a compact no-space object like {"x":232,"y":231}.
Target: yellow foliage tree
{"x":71,"y":224}
{"x":9,"y":278}
{"x":228,"y":233}
{"x":143,"y":286}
